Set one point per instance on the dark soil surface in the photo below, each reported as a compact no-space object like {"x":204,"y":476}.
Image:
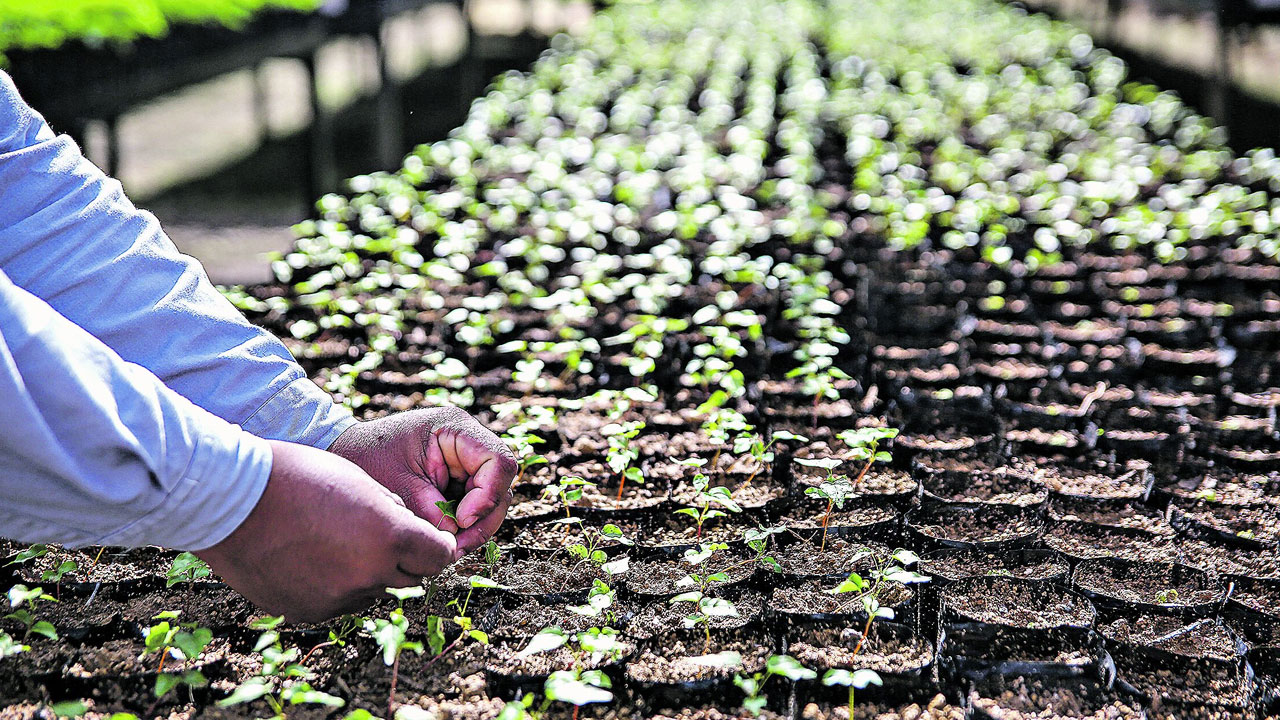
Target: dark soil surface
{"x":667,"y":576}
{"x":659,"y":617}
{"x":840,"y":556}
{"x":1018,"y":603}
{"x":1149,"y":583}
{"x":954,"y":565}
{"x":964,"y":525}
{"x":1192,"y":638}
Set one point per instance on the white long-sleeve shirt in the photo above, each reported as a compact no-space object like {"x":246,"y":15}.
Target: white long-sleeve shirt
{"x":123,"y":372}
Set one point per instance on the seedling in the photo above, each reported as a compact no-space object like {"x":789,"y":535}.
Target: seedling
{"x":864,"y":446}
{"x":568,"y":491}
{"x":705,"y":499}
{"x":392,"y":635}
{"x":589,"y":550}
{"x":721,"y":427}
{"x":701,"y":579}
{"x":32,"y":598}
{"x":890,"y":569}
{"x":184,"y":642}
{"x":761,"y":451}
{"x":835,"y":489}
{"x":578,"y":686}
{"x":600,"y":600}
{"x":752,"y":686}
{"x":53,"y":575}
{"x":282,"y":680}
{"x":186,"y":568}
{"x":526,"y":455}
{"x":29,"y":554}
{"x":1167,"y":597}
{"x":622,"y":453}
{"x":435,"y":623}
{"x":855,"y":680}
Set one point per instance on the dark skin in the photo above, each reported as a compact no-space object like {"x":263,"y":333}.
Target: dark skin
{"x":334,"y":529}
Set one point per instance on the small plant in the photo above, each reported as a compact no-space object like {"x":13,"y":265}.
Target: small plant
{"x":835,"y":489}
{"x":1167,"y":597}
{"x":184,"y":642}
{"x":622,"y":454}
{"x":705,"y":500}
{"x":32,"y":598}
{"x":10,"y":647}
{"x":568,"y":491}
{"x":589,"y":549}
{"x":282,"y":680}
{"x":864,"y":446}
{"x":600,"y":600}
{"x":186,"y":568}
{"x":526,"y":454}
{"x":887,"y":570}
{"x":578,"y":686}
{"x":706,"y":607}
{"x":752,"y":686}
{"x":760,"y":451}
{"x":392,"y":635}
{"x":855,"y":680}
{"x":435,"y":623}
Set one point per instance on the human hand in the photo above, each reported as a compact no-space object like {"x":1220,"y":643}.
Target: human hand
{"x":434,"y":455}
{"x":325,"y":539}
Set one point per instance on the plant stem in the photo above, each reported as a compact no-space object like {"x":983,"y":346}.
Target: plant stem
{"x":621,"y":482}
{"x":391,"y":697}
{"x":313,"y":651}
{"x":826,"y":517}
{"x":850,"y":702}
{"x":575,"y":712}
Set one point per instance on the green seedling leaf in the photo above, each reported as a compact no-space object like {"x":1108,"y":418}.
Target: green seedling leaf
{"x":363,"y":714}
{"x":821,"y":463}
{"x":270,"y":622}
{"x":449,"y":508}
{"x":69,"y":708}
{"x":789,"y":668}
{"x":565,"y":686}
{"x":247,"y":692}
{"x":480,"y":581}
{"x":717,"y":607}
{"x":304,"y":694}
{"x":858,"y":679}
{"x":546,"y":640}
{"x":691,"y":596}
{"x":514,"y":710}
{"x":852,"y":584}
{"x":31,"y":553}
{"x":435,"y":635}
{"x":786,"y":435}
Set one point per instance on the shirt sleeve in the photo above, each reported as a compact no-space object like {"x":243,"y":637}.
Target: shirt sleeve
{"x":70,"y":236}
{"x":98,"y":451}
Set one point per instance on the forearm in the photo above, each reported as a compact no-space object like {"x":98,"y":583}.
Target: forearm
{"x":73,"y":239}
{"x":98,"y":451}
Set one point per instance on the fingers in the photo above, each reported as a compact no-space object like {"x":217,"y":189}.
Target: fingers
{"x":421,"y":497}
{"x":422,"y":549}
{"x":473,"y":452}
{"x":480,"y":532}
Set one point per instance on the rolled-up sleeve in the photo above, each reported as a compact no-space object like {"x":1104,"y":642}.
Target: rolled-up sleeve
{"x":98,"y":451}
{"x":70,"y":236}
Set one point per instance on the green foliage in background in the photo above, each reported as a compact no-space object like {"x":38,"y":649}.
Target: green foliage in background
{"x":32,"y":24}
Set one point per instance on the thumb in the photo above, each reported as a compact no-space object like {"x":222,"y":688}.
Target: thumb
{"x":424,"y":550}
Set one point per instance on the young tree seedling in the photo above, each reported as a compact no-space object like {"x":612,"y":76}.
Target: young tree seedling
{"x":622,"y":453}
{"x":281,"y":681}
{"x":706,"y":608}
{"x":392,"y":635}
{"x":186,"y":568}
{"x":705,"y":500}
{"x":835,"y":489}
{"x":888,"y":570}
{"x":589,"y":549}
{"x":568,"y":491}
{"x":752,"y":686}
{"x":578,"y":686}
{"x":32,"y":598}
{"x":864,"y":446}
{"x":184,"y":642}
{"x":526,"y":455}
{"x":760,"y":451}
